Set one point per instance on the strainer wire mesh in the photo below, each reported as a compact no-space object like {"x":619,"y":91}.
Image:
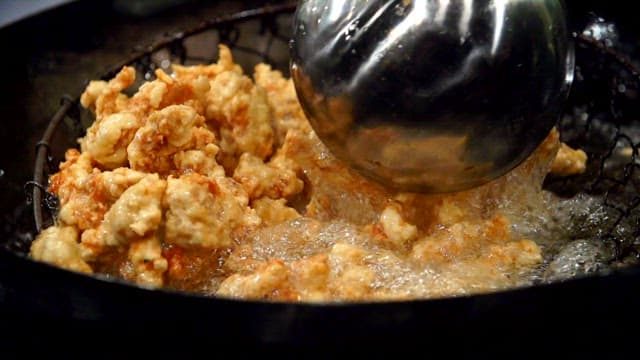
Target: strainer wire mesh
{"x":602,"y":118}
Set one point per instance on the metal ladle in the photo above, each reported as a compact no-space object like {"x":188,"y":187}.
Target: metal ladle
{"x":432,"y":95}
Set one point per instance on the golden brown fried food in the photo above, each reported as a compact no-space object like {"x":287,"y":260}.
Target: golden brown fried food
{"x":205,"y":212}
{"x":58,"y":245}
{"x":168,"y":133}
{"x":205,"y":180}
{"x":569,"y":161}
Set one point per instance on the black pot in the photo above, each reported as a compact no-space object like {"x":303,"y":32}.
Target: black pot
{"x":41,"y":304}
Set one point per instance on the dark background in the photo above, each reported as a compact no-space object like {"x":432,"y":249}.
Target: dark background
{"x":55,"y":53}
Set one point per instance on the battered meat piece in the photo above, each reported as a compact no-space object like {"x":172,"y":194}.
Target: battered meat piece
{"x":273,"y":212}
{"x":205,"y":212}
{"x":569,"y":161}
{"x":118,"y":117}
{"x":240,"y":112}
{"x":277,"y":179}
{"x":59,"y":246}
{"x":147,"y":265}
{"x":107,"y":142}
{"x":107,"y":138}
{"x":225,"y":63}
{"x":105,"y":98}
{"x":202,"y":161}
{"x":283,"y":101}
{"x":267,"y":283}
{"x":135,"y":215}
{"x":86,"y":193}
{"x":161,"y":143}
{"x":395,"y":228}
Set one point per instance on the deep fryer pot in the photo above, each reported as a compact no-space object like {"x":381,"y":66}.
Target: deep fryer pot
{"x":38,"y":299}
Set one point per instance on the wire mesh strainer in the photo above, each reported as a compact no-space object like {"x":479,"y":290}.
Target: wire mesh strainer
{"x":600,"y":118}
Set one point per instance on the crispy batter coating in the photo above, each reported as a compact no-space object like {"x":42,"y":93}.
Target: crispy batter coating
{"x":167,"y":133}
{"x":86,"y":193}
{"x":205,"y":212}
{"x":240,"y":111}
{"x":283,"y":100}
{"x":569,"y":161}
{"x":395,"y":228}
{"x":146,"y":263}
{"x":277,"y":179}
{"x":201,"y":161}
{"x":207,"y":181}
{"x":119,"y":117}
{"x":136,"y":213}
{"x":265,"y":283}
{"x":107,"y":141}
{"x":225,"y":63}
{"x":58,"y":245}
{"x":105,"y":98}
{"x":273,"y":212}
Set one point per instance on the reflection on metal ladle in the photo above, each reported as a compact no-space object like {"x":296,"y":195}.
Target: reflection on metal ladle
{"x":432,"y":95}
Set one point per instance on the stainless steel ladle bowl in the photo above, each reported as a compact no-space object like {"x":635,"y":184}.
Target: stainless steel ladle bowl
{"x":432,"y":95}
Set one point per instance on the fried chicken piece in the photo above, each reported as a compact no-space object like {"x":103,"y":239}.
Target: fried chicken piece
{"x":201,"y":211}
{"x":306,"y":279}
{"x":58,"y":245}
{"x":168,"y":132}
{"x":310,"y":278}
{"x":86,"y":194}
{"x":277,"y":179}
{"x":107,"y":141}
{"x":94,"y":90}
{"x":118,"y":117}
{"x":273,"y":212}
{"x":107,"y":138}
{"x":397,"y":231}
{"x":350,"y":277}
{"x":569,"y":161}
{"x":461,"y":240}
{"x":268,"y":282}
{"x":225,"y":63}
{"x":135,"y":215}
{"x":71,"y":176}
{"x":201,"y":161}
{"x":105,"y":98}
{"x":240,"y":112}
{"x":283,"y":100}
{"x":147,"y":265}
{"x":517,"y":254}
{"x":166,"y":91}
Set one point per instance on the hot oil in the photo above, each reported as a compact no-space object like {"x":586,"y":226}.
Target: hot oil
{"x":568,"y":233}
